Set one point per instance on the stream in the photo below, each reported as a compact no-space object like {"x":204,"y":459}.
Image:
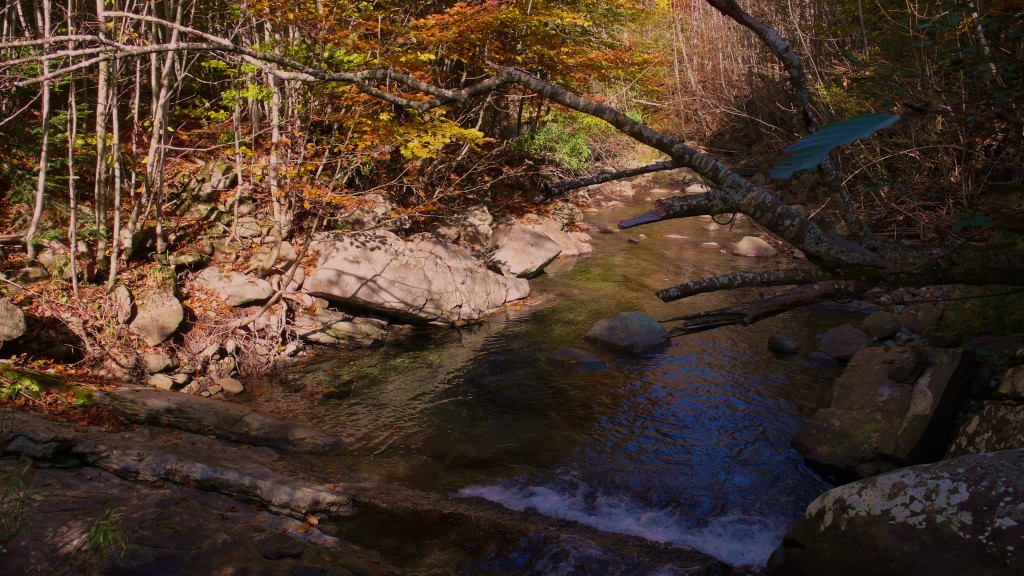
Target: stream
{"x":687,"y":446}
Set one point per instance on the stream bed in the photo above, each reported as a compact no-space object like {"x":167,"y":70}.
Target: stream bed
{"x":687,"y":446}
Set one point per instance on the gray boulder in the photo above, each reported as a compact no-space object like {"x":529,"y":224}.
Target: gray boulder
{"x":520,"y":251}
{"x":331,"y":328}
{"x":843,"y":342}
{"x":12,"y":321}
{"x":423,"y":280}
{"x":998,"y":425}
{"x":158,"y":317}
{"x":881,"y":325}
{"x":234,"y":288}
{"x":889,"y":406}
{"x":214,"y":177}
{"x":633,"y":332}
{"x":953,"y":518}
{"x":154,"y":363}
{"x":754,"y":247}
{"x":1013,"y":383}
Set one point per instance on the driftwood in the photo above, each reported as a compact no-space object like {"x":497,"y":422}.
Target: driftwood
{"x":750,"y":312}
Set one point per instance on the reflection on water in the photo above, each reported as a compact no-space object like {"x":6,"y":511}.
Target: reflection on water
{"x":689,"y":445}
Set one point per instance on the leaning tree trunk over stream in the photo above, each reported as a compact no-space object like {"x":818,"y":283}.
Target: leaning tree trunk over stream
{"x":844,"y":266}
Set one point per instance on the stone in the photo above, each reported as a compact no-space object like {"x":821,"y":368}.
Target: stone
{"x":475,"y":228}
{"x":754,"y":247}
{"x":956,"y":517}
{"x":881,"y":325}
{"x":214,"y":389}
{"x":566,"y":242}
{"x":565,"y":214}
{"x":633,"y":332}
{"x":286,"y":254}
{"x":124,"y":304}
{"x":221,"y":419}
{"x":783,"y":344}
{"x":12,"y":321}
{"x":331,"y":328}
{"x":520,"y":251}
{"x":230,"y":386}
{"x":158,"y":317}
{"x":843,"y":342}
{"x":423,"y":280}
{"x":715,"y":245}
{"x":153,"y":362}
{"x":234,"y":288}
{"x":575,"y":358}
{"x":998,"y":425}
{"x":1012,"y":384}
{"x":31,"y":274}
{"x":889,"y":405}
{"x":372,"y":212}
{"x":181,"y":378}
{"x":712,"y":226}
{"x":697,"y":189}
{"x":214,"y":177}
{"x":223,"y":368}
{"x":921,"y":316}
{"x":188,"y":259}
{"x":160,"y":381}
{"x":249,"y":227}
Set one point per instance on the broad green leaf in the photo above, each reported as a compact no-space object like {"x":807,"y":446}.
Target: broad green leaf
{"x":810,"y":151}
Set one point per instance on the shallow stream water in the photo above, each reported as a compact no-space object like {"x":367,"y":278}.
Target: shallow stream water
{"x":688,"y":446}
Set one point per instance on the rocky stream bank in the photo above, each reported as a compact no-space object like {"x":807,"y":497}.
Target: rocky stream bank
{"x":927,"y":435}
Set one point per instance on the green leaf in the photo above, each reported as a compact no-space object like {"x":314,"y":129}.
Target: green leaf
{"x":810,"y":151}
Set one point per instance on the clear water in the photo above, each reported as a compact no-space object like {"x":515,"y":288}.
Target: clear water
{"x":686,"y":446}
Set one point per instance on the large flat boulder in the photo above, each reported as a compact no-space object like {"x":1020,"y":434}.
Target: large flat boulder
{"x":422,"y":280}
{"x":890,"y":406}
{"x":520,"y":251}
{"x":957,"y":517}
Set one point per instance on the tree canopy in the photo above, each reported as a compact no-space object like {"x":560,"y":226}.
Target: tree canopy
{"x":441,"y":103}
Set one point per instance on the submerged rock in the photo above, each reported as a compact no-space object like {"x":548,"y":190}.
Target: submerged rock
{"x":221,"y":419}
{"x":633,"y":332}
{"x":423,"y":280}
{"x":783,"y":344}
{"x":953,"y":518}
{"x":754,"y":247}
{"x":575,"y":358}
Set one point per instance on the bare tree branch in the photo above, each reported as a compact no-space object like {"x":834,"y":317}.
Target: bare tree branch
{"x":741,"y":280}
